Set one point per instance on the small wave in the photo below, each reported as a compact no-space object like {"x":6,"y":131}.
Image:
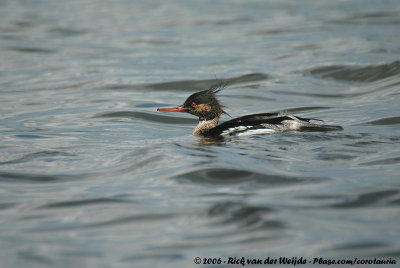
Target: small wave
{"x":7,"y":205}
{"x":51,"y":86}
{"x":149,"y":105}
{"x":391,"y":83}
{"x":154,"y":41}
{"x":149,"y":117}
{"x":232,"y":21}
{"x":366,"y":247}
{"x":66,"y":32}
{"x":366,"y":199}
{"x":230,"y":176}
{"x":83,"y":202}
{"x":33,"y":156}
{"x":362,"y":245}
{"x":138,"y":218}
{"x":192,"y":85}
{"x":396,"y":202}
{"x":32,"y":50}
{"x":249,"y":97}
{"x":30,"y":136}
{"x":16,"y":26}
{"x":34,"y":257}
{"x":348,"y":73}
{"x":386,"y":161}
{"x":244,"y":215}
{"x":230,"y":207}
{"x":35,"y":177}
{"x":335,"y":156}
{"x":151,"y":257}
{"x":385,"y":121}
{"x":370,"y":18}
{"x":274,"y":31}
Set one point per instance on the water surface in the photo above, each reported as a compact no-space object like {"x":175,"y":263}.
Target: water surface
{"x":91,"y":175}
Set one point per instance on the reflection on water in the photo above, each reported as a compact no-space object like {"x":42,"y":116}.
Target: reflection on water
{"x":92,"y":176}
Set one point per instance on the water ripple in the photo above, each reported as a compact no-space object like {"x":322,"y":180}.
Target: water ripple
{"x":391,"y":83}
{"x":367,"y":73}
{"x":243,"y":215}
{"x":385,"y":121}
{"x":232,"y":176}
{"x":67,"y":31}
{"x":192,"y":85}
{"x":14,"y":176}
{"x":34,"y":257}
{"x":159,"y":118}
{"x":47,"y":155}
{"x":365,"y":247}
{"x":145,"y":217}
{"x":32,"y":50}
{"x":370,"y":18}
{"x":366,"y":199}
{"x":83,"y":202}
{"x":386,"y":161}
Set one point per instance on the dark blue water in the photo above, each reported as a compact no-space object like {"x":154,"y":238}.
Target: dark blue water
{"x":91,"y":175}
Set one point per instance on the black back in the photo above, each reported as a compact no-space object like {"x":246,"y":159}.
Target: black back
{"x":250,"y":121}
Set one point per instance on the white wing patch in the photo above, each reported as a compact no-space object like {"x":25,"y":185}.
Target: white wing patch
{"x":257,"y":131}
{"x":234,"y":129}
{"x":246,"y":130}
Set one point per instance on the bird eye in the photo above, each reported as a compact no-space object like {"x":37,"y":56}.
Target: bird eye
{"x":193,"y":104}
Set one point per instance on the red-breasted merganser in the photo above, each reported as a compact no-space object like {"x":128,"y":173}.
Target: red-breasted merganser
{"x":205,"y":105}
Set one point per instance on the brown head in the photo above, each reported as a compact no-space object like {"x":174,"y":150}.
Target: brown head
{"x":202,"y":104}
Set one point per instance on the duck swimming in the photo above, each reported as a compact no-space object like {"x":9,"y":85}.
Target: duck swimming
{"x":208,"y":109}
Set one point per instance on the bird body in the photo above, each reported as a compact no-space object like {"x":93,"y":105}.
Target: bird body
{"x":205,"y":105}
